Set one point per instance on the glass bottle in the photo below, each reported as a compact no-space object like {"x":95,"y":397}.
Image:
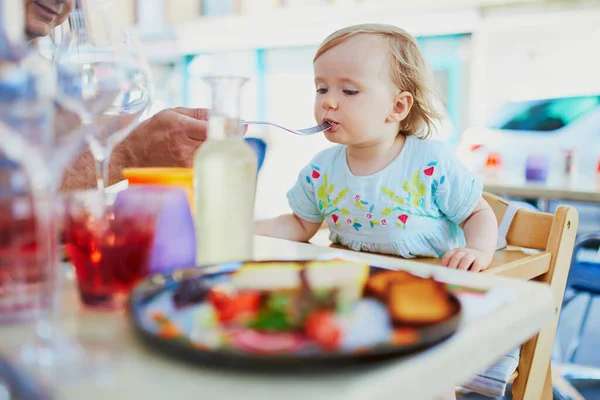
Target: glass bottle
{"x":224,"y":180}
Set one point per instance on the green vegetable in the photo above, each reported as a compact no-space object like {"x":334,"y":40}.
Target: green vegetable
{"x":271,"y":321}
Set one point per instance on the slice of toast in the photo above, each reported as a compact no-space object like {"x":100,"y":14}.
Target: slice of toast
{"x":336,"y":273}
{"x":268,"y":276}
{"x":342,"y":281}
{"x":419,"y":302}
{"x":377,"y":285}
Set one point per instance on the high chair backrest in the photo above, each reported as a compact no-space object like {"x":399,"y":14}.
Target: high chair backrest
{"x":529,"y":229}
{"x":554,"y":236}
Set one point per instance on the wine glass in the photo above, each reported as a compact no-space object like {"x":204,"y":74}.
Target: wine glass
{"x":44,"y":136}
{"x":107,"y":80}
{"x":33,"y":140}
{"x":130,"y":106}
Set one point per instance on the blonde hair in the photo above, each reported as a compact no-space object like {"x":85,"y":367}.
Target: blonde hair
{"x":409,"y":70}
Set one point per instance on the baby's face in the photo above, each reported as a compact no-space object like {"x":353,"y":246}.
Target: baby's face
{"x":355,"y":91}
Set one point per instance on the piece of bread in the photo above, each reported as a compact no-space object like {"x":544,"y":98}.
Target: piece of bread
{"x":377,"y":285}
{"x":268,"y":276}
{"x":419,"y":302}
{"x":335,"y":274}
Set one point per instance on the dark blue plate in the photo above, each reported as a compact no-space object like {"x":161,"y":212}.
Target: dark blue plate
{"x":154,"y":296}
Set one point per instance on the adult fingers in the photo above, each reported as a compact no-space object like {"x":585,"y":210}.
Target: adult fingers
{"x":200,"y":114}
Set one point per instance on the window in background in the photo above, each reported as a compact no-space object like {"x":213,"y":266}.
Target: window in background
{"x":447,"y":58}
{"x":150,"y":13}
{"x":219,"y":7}
{"x":545,"y":115}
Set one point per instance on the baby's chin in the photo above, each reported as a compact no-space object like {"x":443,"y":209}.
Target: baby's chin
{"x":338,"y":137}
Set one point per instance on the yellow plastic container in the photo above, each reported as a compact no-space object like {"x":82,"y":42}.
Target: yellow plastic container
{"x":182,"y":177}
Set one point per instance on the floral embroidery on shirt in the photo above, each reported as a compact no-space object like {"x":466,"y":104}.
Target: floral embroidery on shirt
{"x":402,"y":218}
{"x":326,"y":205}
{"x":315,"y":174}
{"x":369,"y":215}
{"x":360,"y":203}
{"x":411,"y":201}
{"x":372,"y":220}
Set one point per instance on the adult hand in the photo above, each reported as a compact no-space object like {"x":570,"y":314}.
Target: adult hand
{"x":168,"y":139}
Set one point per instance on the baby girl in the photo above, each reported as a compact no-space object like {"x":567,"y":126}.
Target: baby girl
{"x":385,"y":187}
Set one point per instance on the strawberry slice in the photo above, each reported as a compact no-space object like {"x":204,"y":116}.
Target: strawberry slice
{"x":321,"y":327}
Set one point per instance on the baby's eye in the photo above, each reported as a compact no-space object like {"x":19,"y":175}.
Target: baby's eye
{"x":350,"y":92}
{"x":321,"y":90}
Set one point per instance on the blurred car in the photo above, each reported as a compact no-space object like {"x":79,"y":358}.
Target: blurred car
{"x":548,"y":128}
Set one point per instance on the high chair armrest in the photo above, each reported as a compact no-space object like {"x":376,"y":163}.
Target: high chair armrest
{"x":515,"y":263}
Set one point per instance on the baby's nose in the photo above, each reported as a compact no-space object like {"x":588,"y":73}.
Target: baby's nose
{"x":330,"y":102}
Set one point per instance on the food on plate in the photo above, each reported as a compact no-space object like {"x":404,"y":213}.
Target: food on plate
{"x":377,"y":285}
{"x":190,"y":291}
{"x":418,"y":302}
{"x":284,"y":307}
{"x":267,"y":276}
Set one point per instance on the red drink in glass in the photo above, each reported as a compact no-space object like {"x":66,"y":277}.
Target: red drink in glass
{"x":23,"y":260}
{"x":21,"y":265}
{"x":110,"y":253}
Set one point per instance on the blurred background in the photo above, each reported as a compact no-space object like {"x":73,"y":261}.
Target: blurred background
{"x":493,"y":61}
{"x":519,"y":84}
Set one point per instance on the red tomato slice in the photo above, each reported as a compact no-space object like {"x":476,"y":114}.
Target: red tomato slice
{"x":230,"y":308}
{"x":321,"y":327}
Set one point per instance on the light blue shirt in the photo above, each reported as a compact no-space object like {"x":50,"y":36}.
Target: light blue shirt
{"x":411,"y":208}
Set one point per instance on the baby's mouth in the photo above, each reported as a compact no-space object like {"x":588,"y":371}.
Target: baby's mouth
{"x":332,"y":124}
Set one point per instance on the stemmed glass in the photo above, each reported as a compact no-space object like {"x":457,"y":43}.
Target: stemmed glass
{"x":98,"y":80}
{"x":33,"y":140}
{"x":107,"y":80}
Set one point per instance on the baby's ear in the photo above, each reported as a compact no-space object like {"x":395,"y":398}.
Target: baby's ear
{"x":403,"y":102}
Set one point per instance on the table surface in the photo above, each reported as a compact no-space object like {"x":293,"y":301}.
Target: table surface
{"x":584,"y":190}
{"x":138,"y":372}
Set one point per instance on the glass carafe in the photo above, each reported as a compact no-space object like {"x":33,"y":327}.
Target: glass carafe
{"x":224,"y":180}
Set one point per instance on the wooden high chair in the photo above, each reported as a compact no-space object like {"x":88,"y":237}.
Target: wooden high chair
{"x":553,"y":236}
{"x":539,"y":247}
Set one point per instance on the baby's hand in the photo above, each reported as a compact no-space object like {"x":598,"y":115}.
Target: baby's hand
{"x":467,"y":259}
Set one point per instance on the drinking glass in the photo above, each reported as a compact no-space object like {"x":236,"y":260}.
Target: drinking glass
{"x":43,"y":138}
{"x":109,"y":245}
{"x":107,"y":80}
